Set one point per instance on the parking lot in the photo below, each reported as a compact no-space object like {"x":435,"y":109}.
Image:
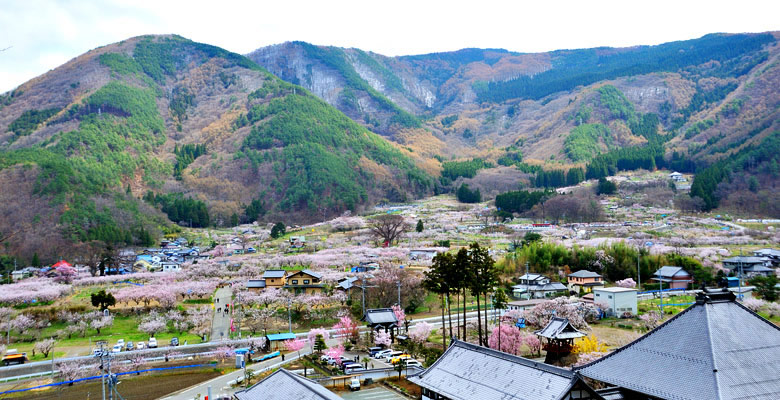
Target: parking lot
{"x":374,"y":393}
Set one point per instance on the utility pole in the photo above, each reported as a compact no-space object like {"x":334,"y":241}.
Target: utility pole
{"x":363,"y":289}
{"x":526,"y":281}
{"x":739,"y":294}
{"x":399,"y":292}
{"x":289,"y":315}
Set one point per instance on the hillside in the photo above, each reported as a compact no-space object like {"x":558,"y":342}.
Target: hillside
{"x":476,"y":100}
{"x":115,"y":143}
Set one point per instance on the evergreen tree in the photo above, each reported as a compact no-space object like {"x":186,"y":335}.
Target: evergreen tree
{"x":420,"y":226}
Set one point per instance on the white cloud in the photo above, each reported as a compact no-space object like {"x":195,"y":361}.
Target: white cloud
{"x":44,"y":33}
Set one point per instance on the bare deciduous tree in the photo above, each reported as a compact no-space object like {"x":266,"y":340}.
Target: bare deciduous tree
{"x":388,"y":227}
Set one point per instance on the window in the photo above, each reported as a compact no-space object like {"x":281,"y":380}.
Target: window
{"x":610,"y":296}
{"x":305,"y":281}
{"x":295,"y":281}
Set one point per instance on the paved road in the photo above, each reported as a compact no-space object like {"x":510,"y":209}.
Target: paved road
{"x":220,"y":325}
{"x":220,"y":385}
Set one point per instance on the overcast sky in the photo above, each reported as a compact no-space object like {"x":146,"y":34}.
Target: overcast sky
{"x":39,"y":35}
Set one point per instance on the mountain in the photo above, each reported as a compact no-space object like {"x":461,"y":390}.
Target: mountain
{"x":709,"y":95}
{"x":119,"y":141}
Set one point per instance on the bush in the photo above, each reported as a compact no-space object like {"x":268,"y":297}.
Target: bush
{"x":278,"y":230}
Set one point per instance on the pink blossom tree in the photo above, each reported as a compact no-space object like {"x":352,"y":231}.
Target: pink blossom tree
{"x":420,"y":332}
{"x":533,"y":343}
{"x":45,"y":346}
{"x":399,"y":313}
{"x":382,"y":338}
{"x":100,"y":323}
{"x":295,"y":345}
{"x":335,"y":352}
{"x":312,"y":336}
{"x":626,"y":283}
{"x":650,"y":319}
{"x":22,"y":323}
{"x":754,"y":304}
{"x":137,"y":361}
{"x":506,"y":338}
{"x":224,"y":353}
{"x":65,"y":274}
{"x":346,"y":328}
{"x":153,"y":324}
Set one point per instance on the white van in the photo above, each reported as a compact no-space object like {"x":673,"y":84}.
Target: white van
{"x":382,"y":354}
{"x":353,"y":368}
{"x":389,"y":356}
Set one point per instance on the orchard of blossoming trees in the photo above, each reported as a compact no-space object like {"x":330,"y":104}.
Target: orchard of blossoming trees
{"x":486,"y":254}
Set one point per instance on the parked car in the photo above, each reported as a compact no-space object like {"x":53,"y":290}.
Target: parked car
{"x":326,"y":358}
{"x":389,"y":356}
{"x":354,"y":384}
{"x":251,"y":250}
{"x":396,"y":360}
{"x":413,"y":363}
{"x":116,"y":349}
{"x":174,"y":341}
{"x":140,"y":346}
{"x":373,"y":350}
{"x":382,"y":353}
{"x":152,"y":343}
{"x":96,"y":351}
{"x":353,"y":368}
{"x":345,"y":364}
{"x":129,"y":346}
{"x":121,"y":342}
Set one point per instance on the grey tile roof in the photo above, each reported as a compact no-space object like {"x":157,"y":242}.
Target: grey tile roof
{"x":380,"y":316}
{"x":668,"y":272}
{"x":468,"y":371}
{"x":312,"y":273}
{"x":584,"y":273}
{"x":274,"y":273}
{"x":347,"y":283}
{"x":714,"y":350}
{"x":744,"y":260}
{"x":285,"y":385}
{"x":551,"y":286}
{"x":256,"y":283}
{"x":559,"y":328}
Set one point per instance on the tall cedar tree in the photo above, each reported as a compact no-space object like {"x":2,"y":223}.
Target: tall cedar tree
{"x":434,"y":283}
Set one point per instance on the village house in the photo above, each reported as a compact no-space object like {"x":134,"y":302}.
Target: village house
{"x":275,"y":278}
{"x":672,"y":277}
{"x":304,"y":282}
{"x":619,"y":300}
{"x":772,"y":255}
{"x":716,"y":349}
{"x":584,"y":281}
{"x":749,"y":266}
{"x":468,"y":372}
{"x":537,"y":286}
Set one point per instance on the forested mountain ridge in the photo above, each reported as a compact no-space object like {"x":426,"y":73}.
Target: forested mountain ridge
{"x":478,"y":100}
{"x":110,"y":146}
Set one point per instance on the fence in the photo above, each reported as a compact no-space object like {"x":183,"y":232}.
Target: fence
{"x":100,"y":376}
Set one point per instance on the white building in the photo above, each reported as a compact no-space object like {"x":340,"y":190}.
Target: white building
{"x":618,"y":300}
